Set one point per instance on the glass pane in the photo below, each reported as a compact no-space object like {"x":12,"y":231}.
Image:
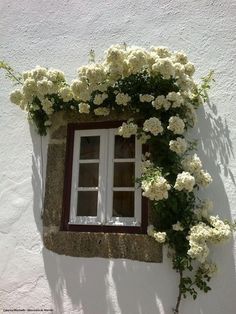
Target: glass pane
{"x":123,"y":174}
{"x":87,"y":203}
{"x":89,"y":147}
{"x":123,"y":204}
{"x":124,"y":147}
{"x":88,"y":175}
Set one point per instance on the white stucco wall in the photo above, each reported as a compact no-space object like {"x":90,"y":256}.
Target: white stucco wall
{"x":60,"y":34}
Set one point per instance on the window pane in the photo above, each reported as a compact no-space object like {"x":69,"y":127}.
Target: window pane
{"x":123,"y":174}
{"x":87,"y":203}
{"x":88,"y":175}
{"x":89,"y":147}
{"x":124,"y":147}
{"x":123,"y":204}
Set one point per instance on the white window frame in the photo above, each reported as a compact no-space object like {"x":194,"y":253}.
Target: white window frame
{"x":105,"y":182}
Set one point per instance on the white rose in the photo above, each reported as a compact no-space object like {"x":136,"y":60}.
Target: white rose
{"x":127,"y":129}
{"x":192,"y":164}
{"x":16,"y":97}
{"x":176,"y":125}
{"x":99,"y":98}
{"x":65,"y":93}
{"x":161,"y":102}
{"x":102,"y":111}
{"x":47,"y":106}
{"x":203,"y":178}
{"x":153,"y":125}
{"x":184,"y":181}
{"x":122,"y":99}
{"x":165,"y":67}
{"x":84,"y":108}
{"x":145,"y":98}
{"x":179,"y":146}
{"x":177,"y":226}
{"x":160,"y":237}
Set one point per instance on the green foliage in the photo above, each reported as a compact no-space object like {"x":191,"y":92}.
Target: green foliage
{"x":206,"y":84}
{"x":15,"y":77}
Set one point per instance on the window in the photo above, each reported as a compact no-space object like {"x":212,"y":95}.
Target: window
{"x":100,"y":193}
{"x":71,"y":225}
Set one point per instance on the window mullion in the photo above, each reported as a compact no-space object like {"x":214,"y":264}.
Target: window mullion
{"x":110,"y":174}
{"x":102,"y":177}
{"x":138,"y":196}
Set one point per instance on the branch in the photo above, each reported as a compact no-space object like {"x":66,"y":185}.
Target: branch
{"x":176,"y":310}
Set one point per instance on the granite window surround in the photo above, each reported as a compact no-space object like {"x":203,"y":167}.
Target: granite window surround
{"x":134,"y":246}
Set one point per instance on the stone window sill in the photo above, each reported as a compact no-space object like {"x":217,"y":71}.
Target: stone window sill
{"x":106,"y":245}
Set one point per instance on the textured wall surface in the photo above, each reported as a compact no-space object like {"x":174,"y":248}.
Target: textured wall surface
{"x":60,"y":34}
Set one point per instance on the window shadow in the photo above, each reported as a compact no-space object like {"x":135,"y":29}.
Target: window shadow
{"x":39,"y":163}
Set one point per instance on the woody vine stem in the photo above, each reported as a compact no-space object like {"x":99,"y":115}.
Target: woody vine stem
{"x":156,"y":85}
{"x":176,"y":309}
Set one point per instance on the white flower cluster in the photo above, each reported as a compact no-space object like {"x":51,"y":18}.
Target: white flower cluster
{"x":153,"y":125}
{"x":179,"y":146}
{"x":165,"y":67}
{"x":193,"y":165}
{"x":127,"y":129}
{"x":204,"y":210}
{"x":209,"y":268}
{"x":65,"y":93}
{"x":39,"y":83}
{"x":47,"y":106}
{"x":175,"y":98}
{"x":90,"y":78}
{"x":158,"y":236}
{"x":143,"y":138}
{"x":201,"y":234}
{"x":176,"y":125}
{"x":155,"y":188}
{"x":221,"y":230}
{"x":122,"y":99}
{"x":84,"y":108}
{"x":145,"y":98}
{"x":94,"y":79}
{"x":190,"y":114}
{"x":80,"y":90}
{"x":102,"y":111}
{"x":161,"y":102}
{"x":203,"y":178}
{"x":150,"y":230}
{"x":184,"y":181}
{"x":145,"y":165}
{"x":177,"y":226}
{"x":99,"y":98}
{"x":121,"y":61}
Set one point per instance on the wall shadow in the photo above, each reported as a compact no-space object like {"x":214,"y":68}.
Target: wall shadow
{"x":103,"y":286}
{"x":39,"y":163}
{"x":215,"y":149}
{"x":108,"y":286}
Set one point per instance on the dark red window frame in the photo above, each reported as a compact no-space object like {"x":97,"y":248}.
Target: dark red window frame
{"x":65,"y":226}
